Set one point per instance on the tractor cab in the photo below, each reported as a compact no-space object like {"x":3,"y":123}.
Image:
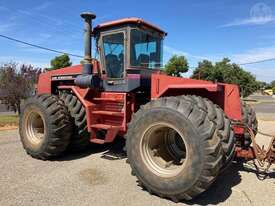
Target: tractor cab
{"x":128,"y":46}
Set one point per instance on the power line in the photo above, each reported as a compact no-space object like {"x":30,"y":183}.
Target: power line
{"x":79,"y":56}
{"x":40,"y":47}
{"x":256,"y":62}
{"x":248,"y":63}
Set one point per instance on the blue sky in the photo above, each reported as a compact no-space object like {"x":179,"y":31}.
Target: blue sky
{"x":241,"y":30}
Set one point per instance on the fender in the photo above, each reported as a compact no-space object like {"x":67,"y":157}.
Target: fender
{"x":227,"y":96}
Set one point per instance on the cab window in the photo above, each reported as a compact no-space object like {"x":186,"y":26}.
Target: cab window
{"x":113,"y":46}
{"x":146,"y":50}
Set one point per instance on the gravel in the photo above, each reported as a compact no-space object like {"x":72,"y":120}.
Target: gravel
{"x":101,"y":177}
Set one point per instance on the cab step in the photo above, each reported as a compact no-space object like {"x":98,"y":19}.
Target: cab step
{"x":97,"y":141}
{"x":105,"y":126}
{"x":110,"y":113}
{"x":108,"y":99}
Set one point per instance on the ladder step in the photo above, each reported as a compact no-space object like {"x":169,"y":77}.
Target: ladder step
{"x":97,"y":141}
{"x":105,"y":126}
{"x":111,"y":113}
{"x":108,"y":99}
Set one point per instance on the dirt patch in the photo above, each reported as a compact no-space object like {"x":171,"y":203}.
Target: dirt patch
{"x":92,"y":177}
{"x":266,"y":117}
{"x":8,"y":127}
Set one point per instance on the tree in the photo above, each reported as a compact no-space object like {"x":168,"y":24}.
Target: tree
{"x":176,"y":66}
{"x":272,"y":84}
{"x":227,"y":72}
{"x":262,"y":85}
{"x":205,"y":70}
{"x":17,"y":84}
{"x":60,"y":62}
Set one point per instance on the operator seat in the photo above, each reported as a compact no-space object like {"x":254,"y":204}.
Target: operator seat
{"x":154,"y":61}
{"x":113,"y":66}
{"x":143,"y":60}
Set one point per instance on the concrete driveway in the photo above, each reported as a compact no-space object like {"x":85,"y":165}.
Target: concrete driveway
{"x":101,"y":177}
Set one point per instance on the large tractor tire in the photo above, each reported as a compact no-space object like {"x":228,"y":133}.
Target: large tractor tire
{"x":173,"y":149}
{"x":223,"y":125}
{"x":80,"y":137}
{"x":45,"y":126}
{"x":249,"y":118}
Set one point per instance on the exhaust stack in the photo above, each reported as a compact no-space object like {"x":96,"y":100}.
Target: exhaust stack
{"x":85,"y":80}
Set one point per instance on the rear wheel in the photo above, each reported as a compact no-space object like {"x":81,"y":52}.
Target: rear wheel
{"x":249,"y":118}
{"x":172,"y":148}
{"x":45,"y":126}
{"x":223,"y":125}
{"x":80,"y":137}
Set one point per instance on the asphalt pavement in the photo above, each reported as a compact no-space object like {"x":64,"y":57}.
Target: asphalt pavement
{"x":264,"y":106}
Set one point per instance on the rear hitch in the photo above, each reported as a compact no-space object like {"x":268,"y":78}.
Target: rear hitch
{"x":265,"y":157}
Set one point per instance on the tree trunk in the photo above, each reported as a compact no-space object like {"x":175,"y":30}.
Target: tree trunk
{"x":18,"y":106}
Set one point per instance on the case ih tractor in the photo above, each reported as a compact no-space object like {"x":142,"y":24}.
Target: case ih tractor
{"x":180,"y":133}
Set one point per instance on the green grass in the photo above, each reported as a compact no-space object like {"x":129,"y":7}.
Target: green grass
{"x":8,"y":120}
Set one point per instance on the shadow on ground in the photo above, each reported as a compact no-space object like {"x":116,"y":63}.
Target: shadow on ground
{"x":221,"y":190}
{"x":113,"y":151}
{"x":261,"y":175}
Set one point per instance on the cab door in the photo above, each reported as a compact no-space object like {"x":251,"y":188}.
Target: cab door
{"x":113,"y":54}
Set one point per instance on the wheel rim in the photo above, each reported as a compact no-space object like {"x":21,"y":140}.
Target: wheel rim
{"x":163,"y":149}
{"x":35,"y":127}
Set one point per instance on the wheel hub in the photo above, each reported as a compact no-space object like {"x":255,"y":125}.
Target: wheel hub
{"x":163,"y":150}
{"x":35,"y":127}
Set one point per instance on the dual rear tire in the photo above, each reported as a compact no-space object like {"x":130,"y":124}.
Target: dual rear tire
{"x":249,"y":118}
{"x":177,"y":146}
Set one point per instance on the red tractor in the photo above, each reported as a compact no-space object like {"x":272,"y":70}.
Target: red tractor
{"x":180,"y":133}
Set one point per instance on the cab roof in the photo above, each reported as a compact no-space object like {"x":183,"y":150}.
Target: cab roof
{"x":130,"y":20}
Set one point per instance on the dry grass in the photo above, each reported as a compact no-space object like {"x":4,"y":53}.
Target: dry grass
{"x":8,"y":120}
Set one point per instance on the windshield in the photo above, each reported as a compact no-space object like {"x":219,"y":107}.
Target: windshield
{"x":146,"y":50}
{"x":113,"y":45}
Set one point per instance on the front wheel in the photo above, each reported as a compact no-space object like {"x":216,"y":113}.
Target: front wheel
{"x":80,"y":137}
{"x":172,"y":148}
{"x":45,"y":126}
